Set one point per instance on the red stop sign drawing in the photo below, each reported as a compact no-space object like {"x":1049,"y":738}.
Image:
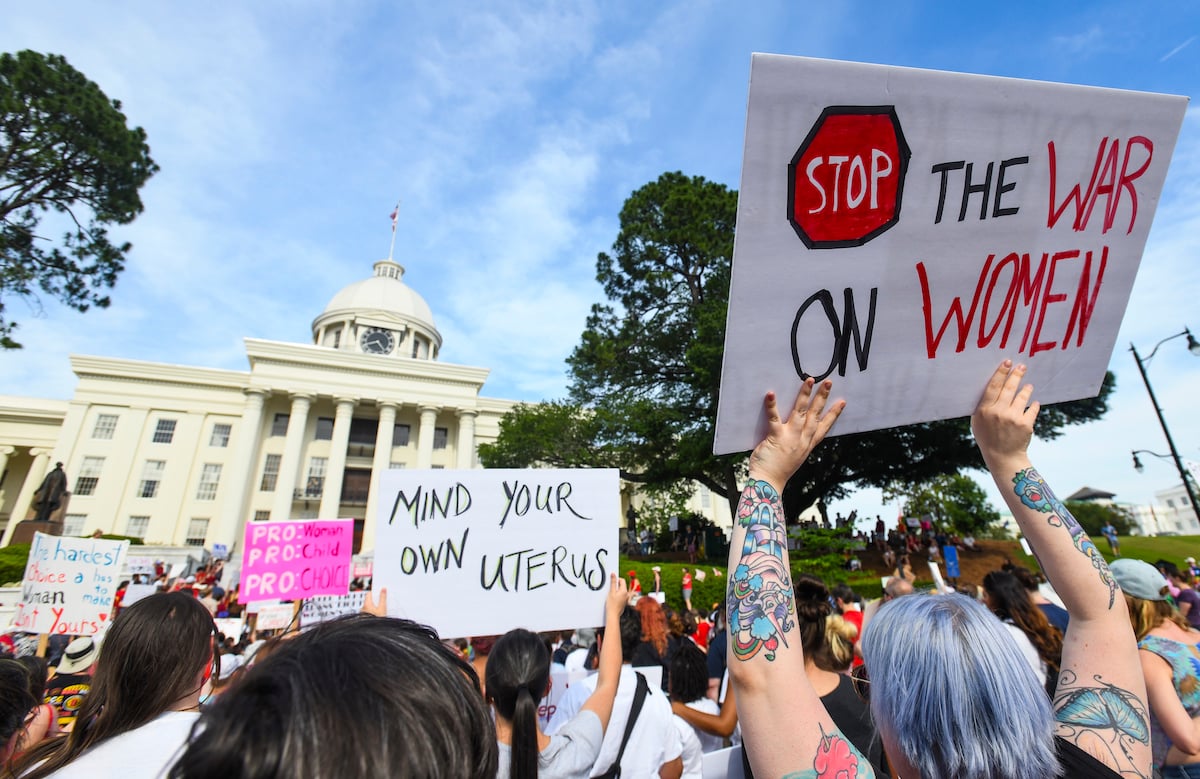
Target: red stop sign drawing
{"x":846,"y":179}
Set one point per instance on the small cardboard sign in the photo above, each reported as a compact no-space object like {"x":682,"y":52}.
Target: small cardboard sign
{"x":903,"y":231}
{"x":296,"y":559}
{"x":230,"y":627}
{"x":323,"y":608}
{"x":275,"y":616}
{"x":70,"y":585}
{"x":478,"y":552}
{"x":140,"y":566}
{"x":137,"y":592}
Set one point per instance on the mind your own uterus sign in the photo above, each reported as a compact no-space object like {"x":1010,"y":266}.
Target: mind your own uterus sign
{"x":902,"y":231}
{"x":479,"y":552}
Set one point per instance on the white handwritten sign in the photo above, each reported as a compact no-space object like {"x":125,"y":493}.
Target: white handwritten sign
{"x":482,"y":551}
{"x":274,"y":616}
{"x":902,"y":231}
{"x":70,"y":585}
{"x":323,"y":608}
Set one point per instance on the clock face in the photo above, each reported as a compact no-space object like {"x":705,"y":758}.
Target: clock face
{"x":377,"y":341}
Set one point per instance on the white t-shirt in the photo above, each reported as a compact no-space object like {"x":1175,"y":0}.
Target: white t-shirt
{"x":654,"y":740}
{"x":1029,"y":651}
{"x":708,"y":742}
{"x":142,"y":753}
{"x":571,"y":753}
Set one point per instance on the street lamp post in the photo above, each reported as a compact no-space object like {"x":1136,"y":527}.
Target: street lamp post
{"x":1194,"y":348}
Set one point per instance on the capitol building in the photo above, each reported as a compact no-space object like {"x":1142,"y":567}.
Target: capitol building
{"x":183,"y":455}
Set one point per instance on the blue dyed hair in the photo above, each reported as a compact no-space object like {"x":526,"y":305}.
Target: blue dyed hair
{"x":951,"y":688}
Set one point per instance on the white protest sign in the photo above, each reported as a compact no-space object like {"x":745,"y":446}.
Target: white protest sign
{"x":136,"y":592}
{"x":560,"y":682}
{"x":140,"y":565}
{"x":230,"y":627}
{"x":479,"y":552}
{"x":323,"y":608}
{"x":275,"y":616}
{"x":70,"y":585}
{"x":902,"y":231}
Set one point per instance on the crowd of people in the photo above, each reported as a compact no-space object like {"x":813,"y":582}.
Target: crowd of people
{"x":809,"y":679}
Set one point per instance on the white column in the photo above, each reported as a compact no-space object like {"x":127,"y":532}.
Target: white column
{"x":331,"y":498}
{"x":380,"y":463}
{"x":241,"y":471}
{"x":425,"y":436}
{"x":5,"y":452}
{"x":466,"y":438}
{"x":33,"y":480}
{"x":289,"y":465}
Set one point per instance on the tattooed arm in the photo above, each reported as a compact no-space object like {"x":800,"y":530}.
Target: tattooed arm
{"x":785,"y":728}
{"x":1100,"y":700}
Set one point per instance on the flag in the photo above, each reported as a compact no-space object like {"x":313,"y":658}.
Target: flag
{"x":395,"y":216}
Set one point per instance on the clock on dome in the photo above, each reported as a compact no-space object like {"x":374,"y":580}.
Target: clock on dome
{"x":376,"y":340}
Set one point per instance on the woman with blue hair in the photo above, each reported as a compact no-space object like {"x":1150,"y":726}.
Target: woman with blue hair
{"x":951,"y":694}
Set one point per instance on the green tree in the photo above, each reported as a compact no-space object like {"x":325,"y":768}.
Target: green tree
{"x":646,"y":373}
{"x":65,"y":148}
{"x":1093,"y":516}
{"x":953,"y":500}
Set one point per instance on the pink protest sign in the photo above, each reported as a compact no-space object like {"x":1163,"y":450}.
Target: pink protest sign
{"x":296,"y":559}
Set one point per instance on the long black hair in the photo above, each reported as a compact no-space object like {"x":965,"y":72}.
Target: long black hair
{"x":153,"y":657}
{"x":517,"y":672}
{"x":359,"y":696}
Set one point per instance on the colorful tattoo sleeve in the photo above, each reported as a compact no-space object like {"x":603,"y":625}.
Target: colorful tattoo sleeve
{"x":761,"y":609}
{"x":1037,"y":495}
{"x":1103,"y":719}
{"x":836,"y":758}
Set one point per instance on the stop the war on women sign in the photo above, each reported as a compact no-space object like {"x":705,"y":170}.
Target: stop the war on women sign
{"x":478,"y":552}
{"x":902,"y":231}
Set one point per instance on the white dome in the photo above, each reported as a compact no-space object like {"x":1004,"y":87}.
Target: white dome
{"x":383,"y":293}
{"x":381,"y":302}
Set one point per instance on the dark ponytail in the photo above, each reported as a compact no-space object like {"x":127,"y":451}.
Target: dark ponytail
{"x":518,"y":670}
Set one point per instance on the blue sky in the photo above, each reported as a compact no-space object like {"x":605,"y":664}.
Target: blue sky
{"x":513,"y":132}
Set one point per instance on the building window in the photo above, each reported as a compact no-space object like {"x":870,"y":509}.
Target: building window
{"x":1183,"y":501}
{"x":440,"y":436}
{"x":89,"y":475}
{"x":315,"y":483}
{"x":106,"y":424}
{"x":210,"y":477}
{"x":270,"y":473}
{"x":324,"y":429}
{"x":362,"y":431}
{"x":197,"y":531}
{"x":220,"y":435}
{"x":280,"y":425}
{"x":400,"y":434}
{"x":395,"y":466}
{"x":164,"y":431}
{"x":262,"y":515}
{"x":437,"y":467}
{"x":137,"y":526}
{"x":73,"y":524}
{"x":1170,"y":503}
{"x":151,"y":478}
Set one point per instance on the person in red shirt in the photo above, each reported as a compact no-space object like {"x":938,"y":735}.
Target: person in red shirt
{"x":634,"y":584}
{"x":687,"y":589}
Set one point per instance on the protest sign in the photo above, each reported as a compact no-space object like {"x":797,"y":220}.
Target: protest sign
{"x":296,"y":559}
{"x":326,"y":607}
{"x":136,"y":592}
{"x":951,"y":555}
{"x":275,"y":616}
{"x":902,"y":231}
{"x":140,"y":566}
{"x":69,"y":585}
{"x":230,"y":627}
{"x":220,"y":552}
{"x":479,"y":552}
{"x":560,"y":681}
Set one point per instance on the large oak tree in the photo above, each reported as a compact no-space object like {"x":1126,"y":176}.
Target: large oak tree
{"x":646,"y":374}
{"x":67,"y":153}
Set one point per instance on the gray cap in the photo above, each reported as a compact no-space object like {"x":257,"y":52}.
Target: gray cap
{"x":1139,"y":579}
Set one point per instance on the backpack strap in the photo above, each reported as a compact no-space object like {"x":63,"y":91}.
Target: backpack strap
{"x":639,"y":697}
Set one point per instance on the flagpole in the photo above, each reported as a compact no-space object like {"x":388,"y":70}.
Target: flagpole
{"x":395,"y":217}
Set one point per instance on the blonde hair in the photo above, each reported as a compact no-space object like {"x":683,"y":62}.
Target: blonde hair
{"x":839,"y":642}
{"x":1146,"y":615}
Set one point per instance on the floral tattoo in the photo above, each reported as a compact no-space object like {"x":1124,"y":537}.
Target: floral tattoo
{"x":761,"y":609}
{"x":1036,"y":494}
{"x":836,"y":758}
